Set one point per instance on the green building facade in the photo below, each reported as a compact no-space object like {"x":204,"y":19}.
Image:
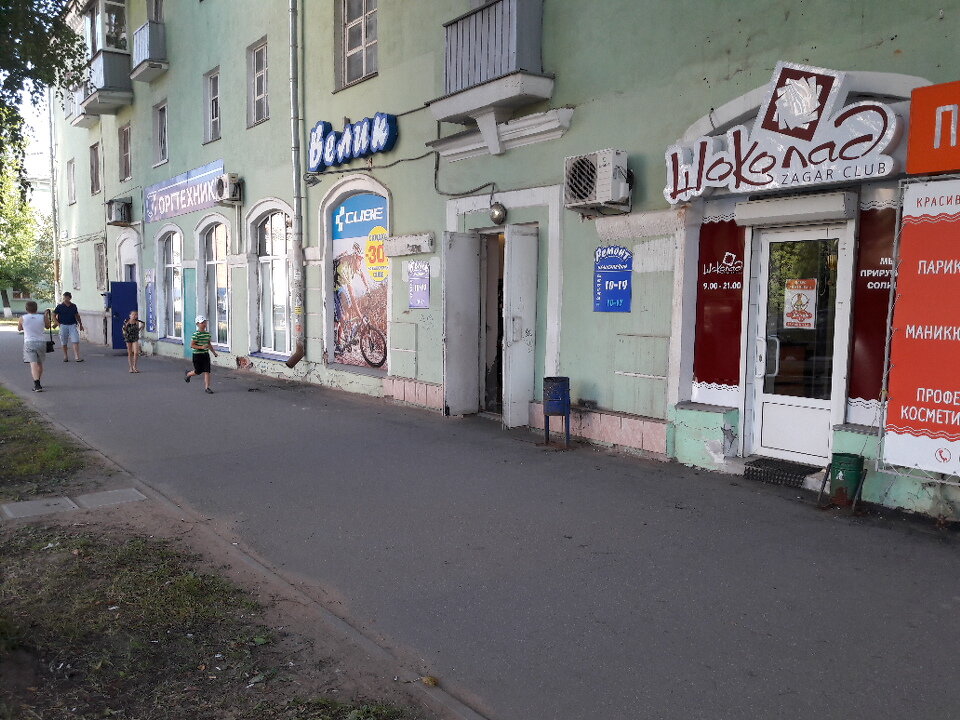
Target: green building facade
{"x":443,"y":202}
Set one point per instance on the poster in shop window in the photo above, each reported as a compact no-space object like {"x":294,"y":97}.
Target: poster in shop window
{"x":361,"y":272}
{"x":922,"y":428}
{"x":800,"y":304}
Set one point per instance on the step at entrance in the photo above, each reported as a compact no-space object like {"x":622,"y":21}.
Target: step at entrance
{"x":778,"y":472}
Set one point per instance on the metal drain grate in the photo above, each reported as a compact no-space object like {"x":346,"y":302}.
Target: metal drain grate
{"x":778,"y":472}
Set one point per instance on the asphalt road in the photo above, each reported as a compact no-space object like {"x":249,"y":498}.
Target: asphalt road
{"x":539,"y":584}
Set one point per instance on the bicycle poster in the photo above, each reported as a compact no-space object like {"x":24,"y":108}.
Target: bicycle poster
{"x":360,"y":281}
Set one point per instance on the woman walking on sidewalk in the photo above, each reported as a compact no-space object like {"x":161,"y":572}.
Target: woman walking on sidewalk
{"x":132,"y":327}
{"x":200,"y":342}
{"x":32,"y":326}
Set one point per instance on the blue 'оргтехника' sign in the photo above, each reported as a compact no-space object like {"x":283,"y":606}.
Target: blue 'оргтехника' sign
{"x":612,"y":279}
{"x":189,"y":191}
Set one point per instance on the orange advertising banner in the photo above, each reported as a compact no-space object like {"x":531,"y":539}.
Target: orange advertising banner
{"x":933,"y":145}
{"x":923,"y":409}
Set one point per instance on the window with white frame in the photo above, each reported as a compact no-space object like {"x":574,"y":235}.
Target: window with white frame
{"x":273,"y":240}
{"x":211,"y":105}
{"x":160,"y":148}
{"x":75,"y":267}
{"x":359,"y":41}
{"x":105,"y":26}
{"x":71,"y":182}
{"x":95,"y":168}
{"x":218,"y":298}
{"x":100,"y":258}
{"x":171,"y":249}
{"x":258,"y":104}
{"x":123,"y":152}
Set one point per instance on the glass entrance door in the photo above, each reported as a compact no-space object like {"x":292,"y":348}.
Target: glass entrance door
{"x":796,"y":343}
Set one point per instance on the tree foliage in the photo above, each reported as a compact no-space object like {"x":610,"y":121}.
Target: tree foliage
{"x":38,"y":50}
{"x":26,"y":244}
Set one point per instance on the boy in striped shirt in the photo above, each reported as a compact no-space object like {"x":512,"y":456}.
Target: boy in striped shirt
{"x":200,"y":342}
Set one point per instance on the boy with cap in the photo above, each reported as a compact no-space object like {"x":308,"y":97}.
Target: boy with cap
{"x":200,"y":342}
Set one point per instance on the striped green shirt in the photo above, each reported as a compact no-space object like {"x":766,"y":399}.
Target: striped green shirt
{"x":202,"y":338}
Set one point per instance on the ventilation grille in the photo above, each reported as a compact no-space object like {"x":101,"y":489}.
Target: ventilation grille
{"x":581,"y":180}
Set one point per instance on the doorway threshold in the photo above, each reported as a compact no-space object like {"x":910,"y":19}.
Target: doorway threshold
{"x":490,"y":415}
{"x":778,"y":472}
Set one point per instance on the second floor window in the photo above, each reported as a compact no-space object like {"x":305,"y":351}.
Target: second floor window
{"x":71,"y":182}
{"x":359,"y":39}
{"x":95,"y":168}
{"x":123,"y":151}
{"x":211,"y":103}
{"x":259,"y":106}
{"x":160,"y":153}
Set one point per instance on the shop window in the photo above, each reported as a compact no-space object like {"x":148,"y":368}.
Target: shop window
{"x":123,"y":145}
{"x":171,"y":247}
{"x":258,"y":105}
{"x":218,"y":297}
{"x":357,"y":40}
{"x":273,"y":241}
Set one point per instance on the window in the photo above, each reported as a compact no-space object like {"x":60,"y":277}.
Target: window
{"x":273,"y":236}
{"x":171,"y":247}
{"x":100,"y":255}
{"x":105,"y":26}
{"x":71,"y":182}
{"x":160,"y":150}
{"x":75,"y":267}
{"x":21,"y":295}
{"x":211,"y":104}
{"x":95,"y":168}
{"x":258,"y":106}
{"x":359,"y":39}
{"x":155,"y":10}
{"x":215,"y":251}
{"x":123,"y":145}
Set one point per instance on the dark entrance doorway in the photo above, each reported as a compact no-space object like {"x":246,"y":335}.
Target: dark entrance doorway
{"x":491,"y":320}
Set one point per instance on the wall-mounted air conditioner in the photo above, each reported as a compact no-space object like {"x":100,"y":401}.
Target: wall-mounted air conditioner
{"x":597,"y":182}
{"x":120,"y":211}
{"x":227,"y":188}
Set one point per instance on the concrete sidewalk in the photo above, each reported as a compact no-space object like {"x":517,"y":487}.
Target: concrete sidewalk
{"x":538,"y":584}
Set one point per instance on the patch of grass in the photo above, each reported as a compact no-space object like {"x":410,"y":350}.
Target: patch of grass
{"x":8,"y":321}
{"x":102,"y":625}
{"x":34,"y":460}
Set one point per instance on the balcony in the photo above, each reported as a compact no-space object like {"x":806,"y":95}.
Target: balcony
{"x":109,"y":88}
{"x":149,"y":52}
{"x":77,"y":117}
{"x":493,"y":66}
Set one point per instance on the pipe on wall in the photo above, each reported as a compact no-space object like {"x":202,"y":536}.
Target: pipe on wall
{"x":297,"y":284}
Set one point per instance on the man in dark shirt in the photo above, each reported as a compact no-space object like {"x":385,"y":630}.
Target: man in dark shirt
{"x":68,"y":319}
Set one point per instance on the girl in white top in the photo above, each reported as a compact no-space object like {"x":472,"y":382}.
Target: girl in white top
{"x":32,"y":325}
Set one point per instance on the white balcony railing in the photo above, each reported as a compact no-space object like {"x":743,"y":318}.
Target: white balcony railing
{"x":491,"y":41}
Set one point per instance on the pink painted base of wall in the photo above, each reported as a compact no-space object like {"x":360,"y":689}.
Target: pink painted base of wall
{"x":413,"y":392}
{"x":619,"y":429}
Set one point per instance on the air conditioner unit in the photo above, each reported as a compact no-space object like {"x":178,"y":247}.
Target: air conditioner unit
{"x":120,"y":211}
{"x":227,"y":188}
{"x":597,"y":181}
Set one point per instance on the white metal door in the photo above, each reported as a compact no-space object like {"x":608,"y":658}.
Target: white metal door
{"x":519,"y":322}
{"x":800,"y":336}
{"x":461,"y":323}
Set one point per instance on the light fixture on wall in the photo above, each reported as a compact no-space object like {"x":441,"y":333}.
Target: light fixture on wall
{"x":498,"y":214}
{"x":311,"y":179}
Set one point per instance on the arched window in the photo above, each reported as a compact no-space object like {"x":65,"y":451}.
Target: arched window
{"x":172,"y":249}
{"x":273,"y":240}
{"x":218,"y":298}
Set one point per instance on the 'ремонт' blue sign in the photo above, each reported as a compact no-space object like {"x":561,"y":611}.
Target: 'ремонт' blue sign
{"x":612,"y":279}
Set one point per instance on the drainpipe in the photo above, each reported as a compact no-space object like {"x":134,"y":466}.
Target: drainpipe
{"x":297,"y":280}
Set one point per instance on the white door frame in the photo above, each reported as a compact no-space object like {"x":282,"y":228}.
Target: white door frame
{"x":755,"y":314}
